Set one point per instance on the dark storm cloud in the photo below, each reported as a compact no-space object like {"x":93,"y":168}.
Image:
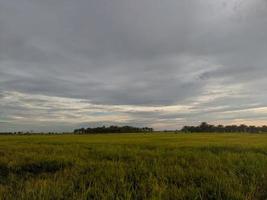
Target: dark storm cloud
{"x":207,"y":55}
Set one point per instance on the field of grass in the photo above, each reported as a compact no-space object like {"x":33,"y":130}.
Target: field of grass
{"x":134,"y":166}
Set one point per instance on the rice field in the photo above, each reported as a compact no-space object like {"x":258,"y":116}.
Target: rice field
{"x":134,"y":166}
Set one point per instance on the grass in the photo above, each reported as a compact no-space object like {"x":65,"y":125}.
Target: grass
{"x":134,"y":166}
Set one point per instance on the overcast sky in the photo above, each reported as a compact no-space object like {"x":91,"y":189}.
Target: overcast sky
{"x":65,"y":64}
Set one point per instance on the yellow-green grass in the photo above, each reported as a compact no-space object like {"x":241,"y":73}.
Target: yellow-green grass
{"x":134,"y":166}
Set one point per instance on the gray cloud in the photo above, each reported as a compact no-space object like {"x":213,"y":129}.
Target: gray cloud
{"x":207,"y":56}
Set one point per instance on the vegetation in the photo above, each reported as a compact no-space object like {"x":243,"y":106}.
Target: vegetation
{"x":113,"y":129}
{"x":205,"y":127}
{"x":134,"y":166}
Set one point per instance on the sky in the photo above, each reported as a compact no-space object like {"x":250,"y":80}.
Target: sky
{"x":68,"y":64}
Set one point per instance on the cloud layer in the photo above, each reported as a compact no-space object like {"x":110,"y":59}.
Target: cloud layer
{"x":64,"y":64}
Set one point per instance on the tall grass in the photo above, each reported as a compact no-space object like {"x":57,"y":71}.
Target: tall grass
{"x":134,"y":166}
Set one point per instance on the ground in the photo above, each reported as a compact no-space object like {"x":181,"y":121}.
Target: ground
{"x":134,"y":166}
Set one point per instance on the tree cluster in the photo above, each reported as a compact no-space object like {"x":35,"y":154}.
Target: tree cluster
{"x":113,"y":129}
{"x":29,"y":133}
{"x":205,"y":127}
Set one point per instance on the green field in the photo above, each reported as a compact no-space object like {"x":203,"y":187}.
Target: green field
{"x":134,"y":166}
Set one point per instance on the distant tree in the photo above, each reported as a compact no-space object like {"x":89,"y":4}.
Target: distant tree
{"x":205,"y":127}
{"x":113,"y":129}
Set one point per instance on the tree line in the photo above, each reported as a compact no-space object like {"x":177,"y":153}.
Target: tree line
{"x":113,"y":129}
{"x":205,"y":127}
